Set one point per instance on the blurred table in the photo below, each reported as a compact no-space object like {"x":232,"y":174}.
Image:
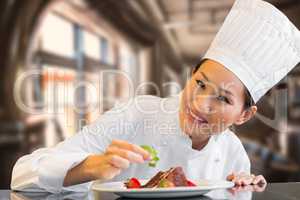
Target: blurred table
{"x":272,"y":191}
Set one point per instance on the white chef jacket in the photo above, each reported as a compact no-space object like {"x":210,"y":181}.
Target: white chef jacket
{"x":145,"y":120}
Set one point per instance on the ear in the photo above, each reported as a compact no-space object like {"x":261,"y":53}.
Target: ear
{"x":246,"y":115}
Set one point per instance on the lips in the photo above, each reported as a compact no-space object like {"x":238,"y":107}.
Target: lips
{"x":196,"y":116}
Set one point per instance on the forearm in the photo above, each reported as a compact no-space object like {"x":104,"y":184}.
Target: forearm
{"x":78,"y":174}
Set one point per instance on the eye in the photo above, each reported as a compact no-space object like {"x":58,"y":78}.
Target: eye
{"x":201,"y":84}
{"x":223,"y":98}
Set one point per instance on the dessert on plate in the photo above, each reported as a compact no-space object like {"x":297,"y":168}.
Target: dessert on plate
{"x":173,"y":177}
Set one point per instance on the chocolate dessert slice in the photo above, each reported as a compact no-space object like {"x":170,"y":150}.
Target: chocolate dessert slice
{"x":174,"y":175}
{"x":177,"y":177}
{"x":154,"y":180}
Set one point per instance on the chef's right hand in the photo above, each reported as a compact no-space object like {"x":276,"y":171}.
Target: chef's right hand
{"x":116,"y":158}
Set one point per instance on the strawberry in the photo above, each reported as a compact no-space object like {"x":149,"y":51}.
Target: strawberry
{"x":190,"y":183}
{"x":133,"y":183}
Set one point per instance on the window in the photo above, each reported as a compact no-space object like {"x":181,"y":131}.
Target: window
{"x":58,"y":91}
{"x":171,"y":82}
{"x":60,"y":60}
{"x":91,"y":45}
{"x":104,"y":50}
{"x":93,"y":92}
{"x":69,"y":52}
{"x":128,"y":62}
{"x":57,"y":35}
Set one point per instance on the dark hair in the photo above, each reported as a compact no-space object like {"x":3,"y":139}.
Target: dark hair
{"x":248,"y":99}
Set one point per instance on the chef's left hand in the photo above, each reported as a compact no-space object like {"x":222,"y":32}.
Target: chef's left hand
{"x":242,"y":179}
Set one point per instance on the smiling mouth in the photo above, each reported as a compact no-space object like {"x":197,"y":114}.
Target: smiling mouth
{"x":196,"y":117}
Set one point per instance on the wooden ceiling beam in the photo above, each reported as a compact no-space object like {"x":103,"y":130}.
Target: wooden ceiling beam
{"x":125,"y":19}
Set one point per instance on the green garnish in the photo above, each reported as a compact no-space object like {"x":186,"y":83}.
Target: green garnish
{"x":164,"y":183}
{"x":153,"y":154}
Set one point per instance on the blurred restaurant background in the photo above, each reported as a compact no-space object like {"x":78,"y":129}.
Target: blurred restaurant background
{"x":49,"y":48}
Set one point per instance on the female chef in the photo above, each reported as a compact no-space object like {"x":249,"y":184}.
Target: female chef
{"x":256,"y":47}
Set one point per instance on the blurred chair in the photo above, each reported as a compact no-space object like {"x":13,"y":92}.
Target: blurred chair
{"x":11,"y":148}
{"x":20,"y":138}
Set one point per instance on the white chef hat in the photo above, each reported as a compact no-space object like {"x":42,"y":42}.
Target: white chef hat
{"x":258,"y":43}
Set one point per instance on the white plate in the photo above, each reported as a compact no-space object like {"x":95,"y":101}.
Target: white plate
{"x":203,"y":187}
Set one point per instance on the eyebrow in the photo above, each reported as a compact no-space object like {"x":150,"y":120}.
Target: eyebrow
{"x":207,"y":79}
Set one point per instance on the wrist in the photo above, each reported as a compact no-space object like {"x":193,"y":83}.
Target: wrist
{"x":91,"y":167}
{"x":87,"y":170}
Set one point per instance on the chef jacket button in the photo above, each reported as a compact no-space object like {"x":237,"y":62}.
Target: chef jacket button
{"x":217,"y":160}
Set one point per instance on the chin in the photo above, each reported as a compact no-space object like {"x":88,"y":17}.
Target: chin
{"x":190,"y":130}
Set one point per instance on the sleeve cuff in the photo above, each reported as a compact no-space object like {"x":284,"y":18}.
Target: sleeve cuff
{"x":54,"y":168}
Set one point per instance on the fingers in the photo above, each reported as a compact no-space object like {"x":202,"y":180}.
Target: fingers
{"x":125,"y":154}
{"x":247,"y":179}
{"x":243,"y":179}
{"x":230,"y":177}
{"x":246,"y":182}
{"x":118,"y":162}
{"x":118,"y":157}
{"x":237,"y":181}
{"x":259,"y":179}
{"x":110,"y":172}
{"x":131,"y":147}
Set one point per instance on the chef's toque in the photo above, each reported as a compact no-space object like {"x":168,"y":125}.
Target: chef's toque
{"x":258,"y":43}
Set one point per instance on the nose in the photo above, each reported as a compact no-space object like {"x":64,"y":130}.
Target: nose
{"x":202,"y":104}
{"x":203,"y":100}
